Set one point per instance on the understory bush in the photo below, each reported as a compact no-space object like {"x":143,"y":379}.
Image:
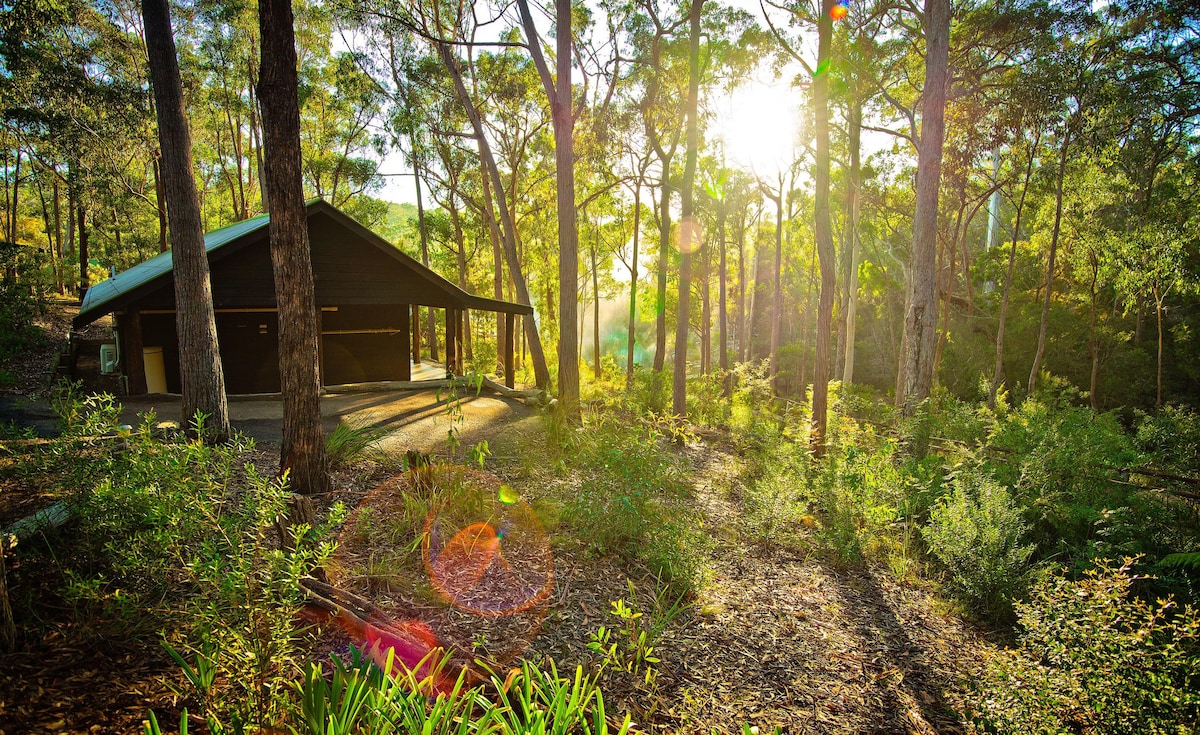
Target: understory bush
{"x":188,"y":541}
{"x":625,"y":496}
{"x":1095,"y":658}
{"x":977,"y":532}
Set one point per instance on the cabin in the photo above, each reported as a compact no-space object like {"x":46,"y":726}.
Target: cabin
{"x":368,"y":291}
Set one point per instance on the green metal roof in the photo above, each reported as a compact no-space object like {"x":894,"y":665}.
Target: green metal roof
{"x":139,"y":275}
{"x":109,"y":295}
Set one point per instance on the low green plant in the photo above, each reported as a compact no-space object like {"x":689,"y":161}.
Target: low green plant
{"x":626,"y":497}
{"x":977,"y":534}
{"x":1094,"y":657}
{"x":359,"y":698}
{"x":351,"y":441}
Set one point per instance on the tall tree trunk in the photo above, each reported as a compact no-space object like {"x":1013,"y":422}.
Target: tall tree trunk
{"x":558,"y":92}
{"x":541,"y":371}
{"x":1093,"y":342}
{"x":16,"y":197}
{"x":201,"y":373}
{"x":160,"y":198}
{"x":664,"y":257}
{"x":823,"y":230}
{"x":998,"y":371}
{"x":1058,"y":204}
{"x":743,"y":338}
{"x":777,"y":292}
{"x":61,"y":282}
{"x":596,"y":313}
{"x":920,"y":321}
{"x":1159,"y":297}
{"x":706,"y":312}
{"x":303,"y":451}
{"x":431,"y":317}
{"x":722,"y":305}
{"x":855,"y":129}
{"x":81,"y":227}
{"x":689,"y":226}
{"x":497,"y":266}
{"x":633,"y":278}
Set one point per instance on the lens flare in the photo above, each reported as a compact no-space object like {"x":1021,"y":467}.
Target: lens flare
{"x":690,"y":236}
{"x":494,"y":567}
{"x":483,"y":553}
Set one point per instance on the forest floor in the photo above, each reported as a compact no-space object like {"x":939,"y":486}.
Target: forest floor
{"x":778,"y":636}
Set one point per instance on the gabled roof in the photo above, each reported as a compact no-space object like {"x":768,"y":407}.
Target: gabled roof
{"x":127,"y":286}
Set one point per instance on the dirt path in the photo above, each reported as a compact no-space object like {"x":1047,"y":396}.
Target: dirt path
{"x":785,"y":639}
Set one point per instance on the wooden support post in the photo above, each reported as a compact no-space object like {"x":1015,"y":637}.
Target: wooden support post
{"x":416,"y":334}
{"x":131,"y":352}
{"x":509,"y":366}
{"x":451,"y":340}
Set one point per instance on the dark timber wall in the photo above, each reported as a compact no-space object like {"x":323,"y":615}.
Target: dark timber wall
{"x":365,"y":297}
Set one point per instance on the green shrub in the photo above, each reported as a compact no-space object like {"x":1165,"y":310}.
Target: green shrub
{"x":189,"y":541}
{"x":1095,"y":658}
{"x":351,"y":441}
{"x":626,"y":494}
{"x":976,"y":533}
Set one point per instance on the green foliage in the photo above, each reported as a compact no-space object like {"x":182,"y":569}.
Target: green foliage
{"x":631,"y":650}
{"x":190,"y":540}
{"x":976,"y":532}
{"x":350,"y":442}
{"x":360,"y":698}
{"x":627,"y":497}
{"x":1095,"y":658}
{"x":19,"y":304}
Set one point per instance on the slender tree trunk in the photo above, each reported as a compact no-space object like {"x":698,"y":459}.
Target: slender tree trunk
{"x":303,"y":451}
{"x":689,"y":226}
{"x":497,"y":266}
{"x":161,"y":199}
{"x":16,"y":197}
{"x":855,"y":129}
{"x":743,"y":338}
{"x":722,"y":304}
{"x":664,"y":257}
{"x":920,"y":322}
{"x":540,"y":370}
{"x":998,"y":372}
{"x":1058,"y":203}
{"x":201,"y":373}
{"x":1093,"y":342}
{"x":58,"y":240}
{"x":558,"y":92}
{"x":823,"y":231}
{"x":431,"y":316}
{"x":1159,"y":297}
{"x":81,"y":227}
{"x":777,"y":292}
{"x":951,"y":276}
{"x":705,"y":311}
{"x":633,"y":279}
{"x":596,"y":314}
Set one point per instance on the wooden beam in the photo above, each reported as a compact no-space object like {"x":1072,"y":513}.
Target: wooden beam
{"x":509,"y":365}
{"x":416,"y":334}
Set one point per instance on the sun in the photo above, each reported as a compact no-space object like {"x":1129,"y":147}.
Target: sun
{"x":758,"y":123}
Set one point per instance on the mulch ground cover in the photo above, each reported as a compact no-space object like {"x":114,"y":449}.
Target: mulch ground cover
{"x":777,"y":637}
